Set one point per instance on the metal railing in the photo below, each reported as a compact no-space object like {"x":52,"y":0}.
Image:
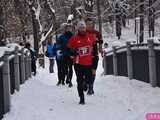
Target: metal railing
{"x":141,"y":62}
{"x":15,"y":69}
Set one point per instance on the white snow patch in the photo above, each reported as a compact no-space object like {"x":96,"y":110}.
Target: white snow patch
{"x":14,"y":45}
{"x":2,"y":51}
{"x":70,"y":17}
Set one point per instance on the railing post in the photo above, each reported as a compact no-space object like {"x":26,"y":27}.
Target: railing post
{"x":1,"y":89}
{"x":22,"y":65}
{"x":16,"y":69}
{"x":105,"y":64}
{"x":129,"y":61}
{"x":27,"y":59}
{"x":152,"y":64}
{"x":25,"y":64}
{"x":115,"y":70}
{"x":6,"y":83}
{"x":30,"y":69}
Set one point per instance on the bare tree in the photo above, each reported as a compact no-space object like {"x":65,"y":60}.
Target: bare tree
{"x":99,"y":15}
{"x":151,"y":18}
{"x":41,"y":29}
{"x":141,"y":37}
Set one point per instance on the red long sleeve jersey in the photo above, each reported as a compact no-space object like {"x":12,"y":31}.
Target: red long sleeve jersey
{"x":83,"y":44}
{"x":98,"y":43}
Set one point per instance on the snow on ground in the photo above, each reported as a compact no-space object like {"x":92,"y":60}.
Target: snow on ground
{"x":116,"y":98}
{"x":110,"y":37}
{"x":109,"y":34}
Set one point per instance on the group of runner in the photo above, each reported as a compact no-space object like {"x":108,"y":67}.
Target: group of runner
{"x":79,"y":50}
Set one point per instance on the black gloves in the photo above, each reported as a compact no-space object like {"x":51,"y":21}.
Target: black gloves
{"x":73,"y":52}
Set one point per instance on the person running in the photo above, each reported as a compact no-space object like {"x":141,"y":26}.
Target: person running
{"x":97,"y":48}
{"x":51,"y":53}
{"x":80,"y":47}
{"x":62,"y":54}
{"x":68,"y":60}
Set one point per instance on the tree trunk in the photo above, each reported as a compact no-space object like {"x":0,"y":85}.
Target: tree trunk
{"x":135,"y":14}
{"x":2,"y":30}
{"x":99,"y":16}
{"x":141,"y":22}
{"x":118,"y":22}
{"x":35,"y":32}
{"x":151,"y":19}
{"x":124,"y":21}
{"x":1,"y":16}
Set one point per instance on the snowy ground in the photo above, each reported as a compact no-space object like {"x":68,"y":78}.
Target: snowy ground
{"x":116,"y":98}
{"x":128,"y":34}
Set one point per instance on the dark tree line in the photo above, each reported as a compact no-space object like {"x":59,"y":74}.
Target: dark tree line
{"x":42,"y":18}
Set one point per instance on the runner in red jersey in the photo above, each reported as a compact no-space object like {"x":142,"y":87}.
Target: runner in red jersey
{"x":97,"y":48}
{"x":82,"y":44}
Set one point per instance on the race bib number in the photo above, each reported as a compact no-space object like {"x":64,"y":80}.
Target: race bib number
{"x":83,"y":51}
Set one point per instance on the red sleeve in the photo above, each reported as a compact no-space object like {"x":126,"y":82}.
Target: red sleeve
{"x":93,"y":38}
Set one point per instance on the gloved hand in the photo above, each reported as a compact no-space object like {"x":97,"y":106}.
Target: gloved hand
{"x":73,"y":52}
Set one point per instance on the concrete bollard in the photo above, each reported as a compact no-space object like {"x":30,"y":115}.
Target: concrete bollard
{"x":26,"y":65}
{"x":16,"y":68}
{"x":152,"y":63}
{"x":6,"y":83}
{"x":115,"y":70}
{"x":129,"y":61}
{"x":22,"y":65}
{"x":1,"y":90}
{"x":27,"y":62}
{"x":30,"y":69}
{"x":105,"y":65}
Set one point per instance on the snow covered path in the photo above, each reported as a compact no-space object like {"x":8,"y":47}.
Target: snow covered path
{"x":116,"y":98}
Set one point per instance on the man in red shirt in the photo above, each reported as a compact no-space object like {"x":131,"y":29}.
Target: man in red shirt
{"x":97,"y":48}
{"x":82,"y":44}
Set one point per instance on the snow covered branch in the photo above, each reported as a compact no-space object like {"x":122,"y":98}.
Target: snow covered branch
{"x":50,"y":6}
{"x":44,"y":36}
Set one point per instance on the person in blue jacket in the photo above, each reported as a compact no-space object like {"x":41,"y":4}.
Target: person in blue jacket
{"x":62,"y":56}
{"x":51,"y":54}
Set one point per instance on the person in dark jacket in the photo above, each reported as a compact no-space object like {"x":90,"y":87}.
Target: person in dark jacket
{"x":51,"y":53}
{"x":97,"y":49}
{"x":60,"y":61}
{"x":63,"y":60}
{"x":33,"y":57}
{"x":69,"y":61}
